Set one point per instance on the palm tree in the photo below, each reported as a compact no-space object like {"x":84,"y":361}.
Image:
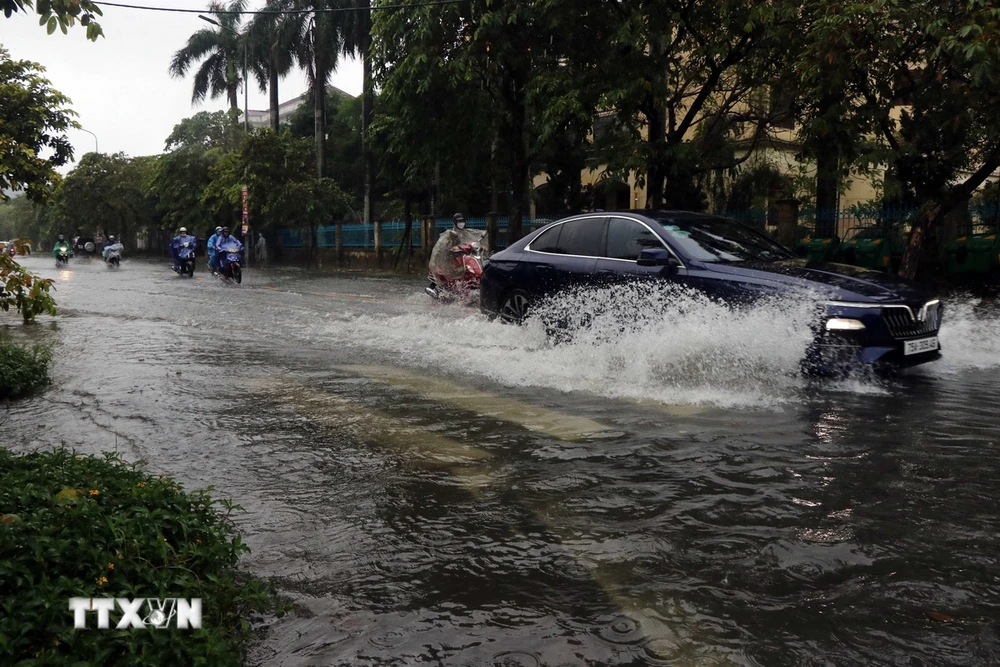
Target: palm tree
{"x":318,"y":37}
{"x":356,"y":28}
{"x":220,"y":51}
{"x":272,"y":52}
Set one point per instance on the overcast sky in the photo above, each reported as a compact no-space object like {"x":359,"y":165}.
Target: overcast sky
{"x":119,"y":85}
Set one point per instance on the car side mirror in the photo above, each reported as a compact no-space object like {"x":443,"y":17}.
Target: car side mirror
{"x":657,"y":257}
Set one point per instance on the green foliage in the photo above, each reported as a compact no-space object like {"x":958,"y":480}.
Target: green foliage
{"x":283,"y":189}
{"x":180,"y":180}
{"x":60,"y":14}
{"x":33,"y":120}
{"x":22,"y":369}
{"x":107,"y":191}
{"x":343,"y":154}
{"x":81,"y":526}
{"x":25,"y":293}
{"x":206,"y":130}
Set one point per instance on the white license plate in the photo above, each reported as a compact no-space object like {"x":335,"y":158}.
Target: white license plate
{"x":922,"y":345}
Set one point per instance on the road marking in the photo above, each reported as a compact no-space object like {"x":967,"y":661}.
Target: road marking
{"x":532,"y":417}
{"x":474,"y":469}
{"x":465,"y":463}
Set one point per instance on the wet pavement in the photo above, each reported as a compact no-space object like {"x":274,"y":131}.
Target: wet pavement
{"x":433,"y":488}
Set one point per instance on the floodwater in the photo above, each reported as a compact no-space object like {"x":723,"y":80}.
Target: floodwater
{"x":432,"y":488}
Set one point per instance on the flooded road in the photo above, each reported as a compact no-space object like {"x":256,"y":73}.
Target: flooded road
{"x":433,"y":488}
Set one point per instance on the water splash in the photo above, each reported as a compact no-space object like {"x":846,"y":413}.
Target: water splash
{"x":970,"y":336}
{"x":661,"y":342}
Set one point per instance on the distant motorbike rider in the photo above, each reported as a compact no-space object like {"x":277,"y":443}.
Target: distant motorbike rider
{"x":225,"y":244}
{"x":449,"y":247}
{"x":211,"y":248}
{"x":108,"y":243}
{"x":175,"y":245}
{"x":62,"y":247}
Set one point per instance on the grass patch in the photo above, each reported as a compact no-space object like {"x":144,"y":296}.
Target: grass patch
{"x":23,"y":369}
{"x":82,"y":526}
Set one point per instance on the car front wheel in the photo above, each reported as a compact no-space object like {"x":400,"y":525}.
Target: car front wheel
{"x":515,"y":307}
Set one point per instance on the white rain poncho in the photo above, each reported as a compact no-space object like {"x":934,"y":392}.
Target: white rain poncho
{"x":443,"y":259}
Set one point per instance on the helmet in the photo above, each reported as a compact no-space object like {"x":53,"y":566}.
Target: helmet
{"x":60,"y":238}
{"x":225,"y":230}
{"x":218,"y":230}
{"x":458,"y":217}
{"x":182,"y":230}
{"x":111,"y":237}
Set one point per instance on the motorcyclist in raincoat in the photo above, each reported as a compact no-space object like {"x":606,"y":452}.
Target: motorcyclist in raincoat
{"x":62,"y":247}
{"x":210,"y":246}
{"x":448,"y":249}
{"x":225,"y":244}
{"x":175,"y":245}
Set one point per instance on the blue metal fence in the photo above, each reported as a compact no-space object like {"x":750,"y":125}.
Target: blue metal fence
{"x":977,"y":219}
{"x":363,"y":236}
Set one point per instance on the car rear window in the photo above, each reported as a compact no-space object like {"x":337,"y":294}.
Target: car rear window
{"x":582,"y":237}
{"x":627,"y":238}
{"x":548,"y":241}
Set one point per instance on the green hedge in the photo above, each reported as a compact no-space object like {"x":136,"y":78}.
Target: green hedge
{"x":81,"y":526}
{"x":22,"y":369}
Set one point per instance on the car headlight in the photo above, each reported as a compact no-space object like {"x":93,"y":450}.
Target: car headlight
{"x":844,"y":324}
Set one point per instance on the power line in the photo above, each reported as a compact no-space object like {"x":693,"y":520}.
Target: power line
{"x":326,"y":10}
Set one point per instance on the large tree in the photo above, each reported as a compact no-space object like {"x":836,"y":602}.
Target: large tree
{"x":688,"y":79}
{"x":485,"y":72}
{"x":220,"y":51}
{"x":107,"y":191}
{"x":272,"y":51}
{"x":319,"y":36}
{"x":276,"y":169}
{"x":33,"y":122}
{"x":920,"y":76}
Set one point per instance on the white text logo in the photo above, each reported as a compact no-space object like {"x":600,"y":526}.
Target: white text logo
{"x":138,"y":613}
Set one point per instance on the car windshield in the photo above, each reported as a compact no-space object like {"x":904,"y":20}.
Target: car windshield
{"x":711,"y":239}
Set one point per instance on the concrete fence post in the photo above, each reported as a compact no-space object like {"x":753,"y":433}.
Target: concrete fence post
{"x":491,"y":230}
{"x":378,"y":243}
{"x":788,"y":221}
{"x":338,"y":235}
{"x":429,"y":237}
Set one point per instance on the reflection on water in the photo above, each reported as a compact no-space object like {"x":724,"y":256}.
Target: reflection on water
{"x":765,"y":521}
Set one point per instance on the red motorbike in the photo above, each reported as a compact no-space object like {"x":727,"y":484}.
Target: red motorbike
{"x":468,"y":264}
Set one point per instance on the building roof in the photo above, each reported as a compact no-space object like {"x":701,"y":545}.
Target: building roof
{"x":262,"y":118}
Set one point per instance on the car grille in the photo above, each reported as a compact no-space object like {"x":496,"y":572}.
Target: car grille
{"x":902,"y":325}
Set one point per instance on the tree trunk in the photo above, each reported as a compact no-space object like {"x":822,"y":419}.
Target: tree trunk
{"x":934,"y":213}
{"x":657,"y":116}
{"x":918,"y":234}
{"x":513,"y":88}
{"x":366,"y":108}
{"x":318,"y":125}
{"x":320,"y":73}
{"x":494,"y":195}
{"x":272,"y":74}
{"x":657,"y":178}
{"x":827,"y":167}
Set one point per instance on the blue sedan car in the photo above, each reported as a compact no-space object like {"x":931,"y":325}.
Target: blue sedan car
{"x":867,"y":316}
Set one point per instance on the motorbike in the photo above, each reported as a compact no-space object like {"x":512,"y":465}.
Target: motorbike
{"x":185,"y":260}
{"x":113,"y":256}
{"x":230,"y":267}
{"x":467,"y":270}
{"x":62,"y":258}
